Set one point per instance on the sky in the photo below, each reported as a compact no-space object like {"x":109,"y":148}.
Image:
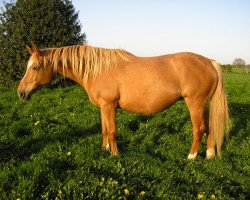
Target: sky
{"x":217,"y":29}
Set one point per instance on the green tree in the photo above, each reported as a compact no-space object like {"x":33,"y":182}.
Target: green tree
{"x":45,"y":23}
{"x":238,"y":62}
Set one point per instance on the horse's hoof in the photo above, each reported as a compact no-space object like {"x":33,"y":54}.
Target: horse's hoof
{"x":192,"y":156}
{"x":115,"y":155}
{"x":107,"y":148}
{"x":210,"y":154}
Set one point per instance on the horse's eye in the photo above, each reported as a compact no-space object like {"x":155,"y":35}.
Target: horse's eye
{"x":36,"y":68}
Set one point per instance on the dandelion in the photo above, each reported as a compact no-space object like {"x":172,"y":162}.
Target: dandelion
{"x":60,"y":192}
{"x":212,"y":196}
{"x":18,"y":199}
{"x":68,"y":153}
{"x":126,"y":191}
{"x":37,"y":123}
{"x":200,"y":196}
{"x":142,"y":193}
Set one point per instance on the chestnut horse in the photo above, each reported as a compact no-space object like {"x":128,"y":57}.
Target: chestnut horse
{"x":114,"y":78}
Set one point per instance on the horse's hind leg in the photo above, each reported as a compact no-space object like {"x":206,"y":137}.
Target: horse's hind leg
{"x":210,"y":153}
{"x":198,"y":123}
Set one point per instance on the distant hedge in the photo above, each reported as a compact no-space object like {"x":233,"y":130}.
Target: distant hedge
{"x":45,"y":23}
{"x":227,"y":68}
{"x":234,"y":69}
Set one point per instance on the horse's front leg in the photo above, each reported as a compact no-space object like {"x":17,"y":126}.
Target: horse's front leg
{"x":108,"y":114}
{"x":105,"y":139}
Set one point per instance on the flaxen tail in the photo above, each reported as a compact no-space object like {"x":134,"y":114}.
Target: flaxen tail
{"x":219,"y":120}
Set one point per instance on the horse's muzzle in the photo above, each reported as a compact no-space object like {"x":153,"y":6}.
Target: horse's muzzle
{"x":22,"y":95}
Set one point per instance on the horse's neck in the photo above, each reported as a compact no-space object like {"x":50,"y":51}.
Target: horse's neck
{"x":69,"y":74}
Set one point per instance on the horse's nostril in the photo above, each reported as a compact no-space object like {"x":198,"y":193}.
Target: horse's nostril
{"x":21,"y":94}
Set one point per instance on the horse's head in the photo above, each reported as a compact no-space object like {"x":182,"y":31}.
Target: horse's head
{"x":37,"y":74}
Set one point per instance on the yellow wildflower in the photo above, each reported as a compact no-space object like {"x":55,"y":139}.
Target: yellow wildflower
{"x":200,"y":196}
{"x":68,"y":153}
{"x":37,"y":123}
{"x":142,"y":193}
{"x":126,"y":191}
{"x":60,"y":192}
{"x":212,"y":196}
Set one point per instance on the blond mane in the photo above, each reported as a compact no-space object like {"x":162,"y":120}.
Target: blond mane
{"x":84,"y":60}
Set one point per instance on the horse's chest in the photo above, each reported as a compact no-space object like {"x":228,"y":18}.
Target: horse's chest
{"x":104,"y":94}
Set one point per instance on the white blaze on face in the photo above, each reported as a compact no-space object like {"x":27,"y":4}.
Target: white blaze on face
{"x":30,"y":63}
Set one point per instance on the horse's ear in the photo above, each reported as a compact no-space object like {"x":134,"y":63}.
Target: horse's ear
{"x":29,"y":49}
{"x":35,"y":49}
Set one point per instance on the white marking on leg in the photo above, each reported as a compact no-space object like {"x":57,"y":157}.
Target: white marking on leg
{"x":210,"y":153}
{"x":107,"y":147}
{"x":192,"y":156}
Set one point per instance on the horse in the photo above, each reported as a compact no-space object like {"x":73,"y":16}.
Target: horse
{"x":115,"y":78}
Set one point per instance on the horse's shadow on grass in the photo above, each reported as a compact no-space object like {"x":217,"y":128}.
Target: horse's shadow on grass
{"x":238,"y":112}
{"x":15,"y":151}
{"x":162,"y":127}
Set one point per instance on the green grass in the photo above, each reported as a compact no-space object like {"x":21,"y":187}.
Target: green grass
{"x":240,"y":70}
{"x":37,"y":136}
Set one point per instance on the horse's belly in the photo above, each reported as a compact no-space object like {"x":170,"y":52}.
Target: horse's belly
{"x":148,"y":88}
{"x":148,"y":103}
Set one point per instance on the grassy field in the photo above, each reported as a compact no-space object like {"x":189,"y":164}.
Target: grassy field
{"x":50,"y":148}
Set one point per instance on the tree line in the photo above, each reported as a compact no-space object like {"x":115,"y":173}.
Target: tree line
{"x":239,"y":64}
